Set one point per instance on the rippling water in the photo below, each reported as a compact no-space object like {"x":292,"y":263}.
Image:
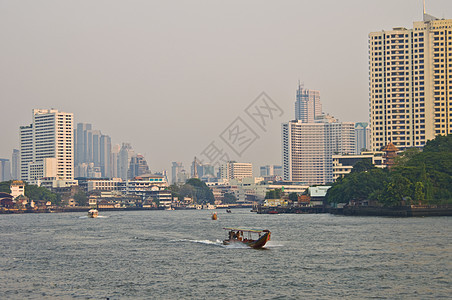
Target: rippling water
{"x":178,"y":254}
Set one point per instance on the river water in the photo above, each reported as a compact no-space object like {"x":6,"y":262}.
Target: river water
{"x":179,"y":255}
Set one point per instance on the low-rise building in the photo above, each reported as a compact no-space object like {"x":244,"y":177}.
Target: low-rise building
{"x":343,"y":164}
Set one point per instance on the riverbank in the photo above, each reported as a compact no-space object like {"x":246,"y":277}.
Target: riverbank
{"x":402,"y":211}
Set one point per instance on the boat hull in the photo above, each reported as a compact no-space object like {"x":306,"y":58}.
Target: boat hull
{"x":256,"y":244}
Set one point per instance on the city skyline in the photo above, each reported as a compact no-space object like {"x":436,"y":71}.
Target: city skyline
{"x":135,"y":75}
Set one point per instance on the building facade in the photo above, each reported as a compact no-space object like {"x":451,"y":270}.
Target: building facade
{"x":49,"y":136}
{"x":91,"y":146}
{"x":307,"y":149}
{"x":235,"y":170}
{"x":5,"y":169}
{"x":307,"y":105}
{"x":15,"y":164}
{"x":362,"y":137}
{"x":343,"y":164}
{"x":410,"y":83}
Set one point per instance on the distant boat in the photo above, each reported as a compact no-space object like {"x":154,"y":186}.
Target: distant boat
{"x":252,"y":238}
{"x":93,"y":213}
{"x":214,"y":216}
{"x":228,"y":211}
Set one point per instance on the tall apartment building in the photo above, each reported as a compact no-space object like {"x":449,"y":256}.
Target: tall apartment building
{"x":15,"y":164}
{"x":235,"y":170}
{"x":362,"y":137}
{"x":5,"y":169}
{"x":410,"y":80}
{"x":49,"y":136}
{"x":307,"y":105}
{"x":307,"y":148}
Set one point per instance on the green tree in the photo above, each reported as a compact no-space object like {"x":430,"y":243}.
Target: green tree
{"x":81,"y":198}
{"x":33,"y":192}
{"x":293,"y":196}
{"x":229,"y":198}
{"x":5,"y":187}
{"x":419,"y":194}
{"x":363,"y":165}
{"x":273,"y":194}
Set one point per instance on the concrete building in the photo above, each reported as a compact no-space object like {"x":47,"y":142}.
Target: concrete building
{"x":307,"y":105}
{"x":124,"y":157}
{"x":362,"y":137}
{"x":307,"y":148}
{"x":343,"y":164}
{"x":410,"y":83}
{"x":15,"y":164}
{"x":26,"y":149}
{"x":5,"y":169}
{"x":270,"y":170}
{"x":17,"y":188}
{"x":114,"y":160}
{"x":176,"y":169}
{"x":44,"y":168}
{"x":235,"y":170}
{"x":138,"y":166}
{"x":49,"y":136}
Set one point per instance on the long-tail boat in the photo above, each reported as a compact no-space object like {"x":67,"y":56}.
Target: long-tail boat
{"x":250,"y":237}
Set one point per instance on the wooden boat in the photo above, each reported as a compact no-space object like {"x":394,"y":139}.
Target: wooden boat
{"x":252,"y":238}
{"x":214,"y":216}
{"x":93,"y":213}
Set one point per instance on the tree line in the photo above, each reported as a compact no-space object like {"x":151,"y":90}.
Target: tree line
{"x":418,"y":177}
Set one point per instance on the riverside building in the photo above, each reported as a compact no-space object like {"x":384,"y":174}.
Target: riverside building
{"x":410,"y":80}
{"x":46,"y":146}
{"x":308,"y":148}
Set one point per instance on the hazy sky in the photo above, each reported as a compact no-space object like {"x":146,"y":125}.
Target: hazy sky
{"x":170,"y":76}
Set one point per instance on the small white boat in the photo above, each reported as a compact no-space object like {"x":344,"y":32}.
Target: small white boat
{"x":93,"y":213}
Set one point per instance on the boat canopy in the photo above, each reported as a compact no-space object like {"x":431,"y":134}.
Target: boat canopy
{"x":245,"y":230}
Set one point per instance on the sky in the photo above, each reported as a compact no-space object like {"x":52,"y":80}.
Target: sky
{"x":172,"y":77}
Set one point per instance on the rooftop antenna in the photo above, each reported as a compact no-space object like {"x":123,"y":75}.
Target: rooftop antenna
{"x":423,"y":16}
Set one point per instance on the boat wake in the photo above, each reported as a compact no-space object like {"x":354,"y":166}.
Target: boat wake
{"x":216,"y":243}
{"x":271,"y":244}
{"x":98,"y":217}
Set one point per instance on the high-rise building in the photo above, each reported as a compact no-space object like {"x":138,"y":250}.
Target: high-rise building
{"x":138,"y":166}
{"x":105,"y":156}
{"x":5,"y":169}
{"x":362,"y":137}
{"x":15,"y":164}
{"x":176,"y":169}
{"x":114,"y":160}
{"x":270,"y":170}
{"x":81,"y":143}
{"x":92,"y":147}
{"x":49,"y":136}
{"x":307,"y":105}
{"x":308,"y":148}
{"x":124,"y":157}
{"x":235,"y":170}
{"x":410,"y":83}
{"x":26,"y":150}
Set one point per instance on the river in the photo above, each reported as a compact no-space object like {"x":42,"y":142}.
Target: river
{"x":179,"y":255}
